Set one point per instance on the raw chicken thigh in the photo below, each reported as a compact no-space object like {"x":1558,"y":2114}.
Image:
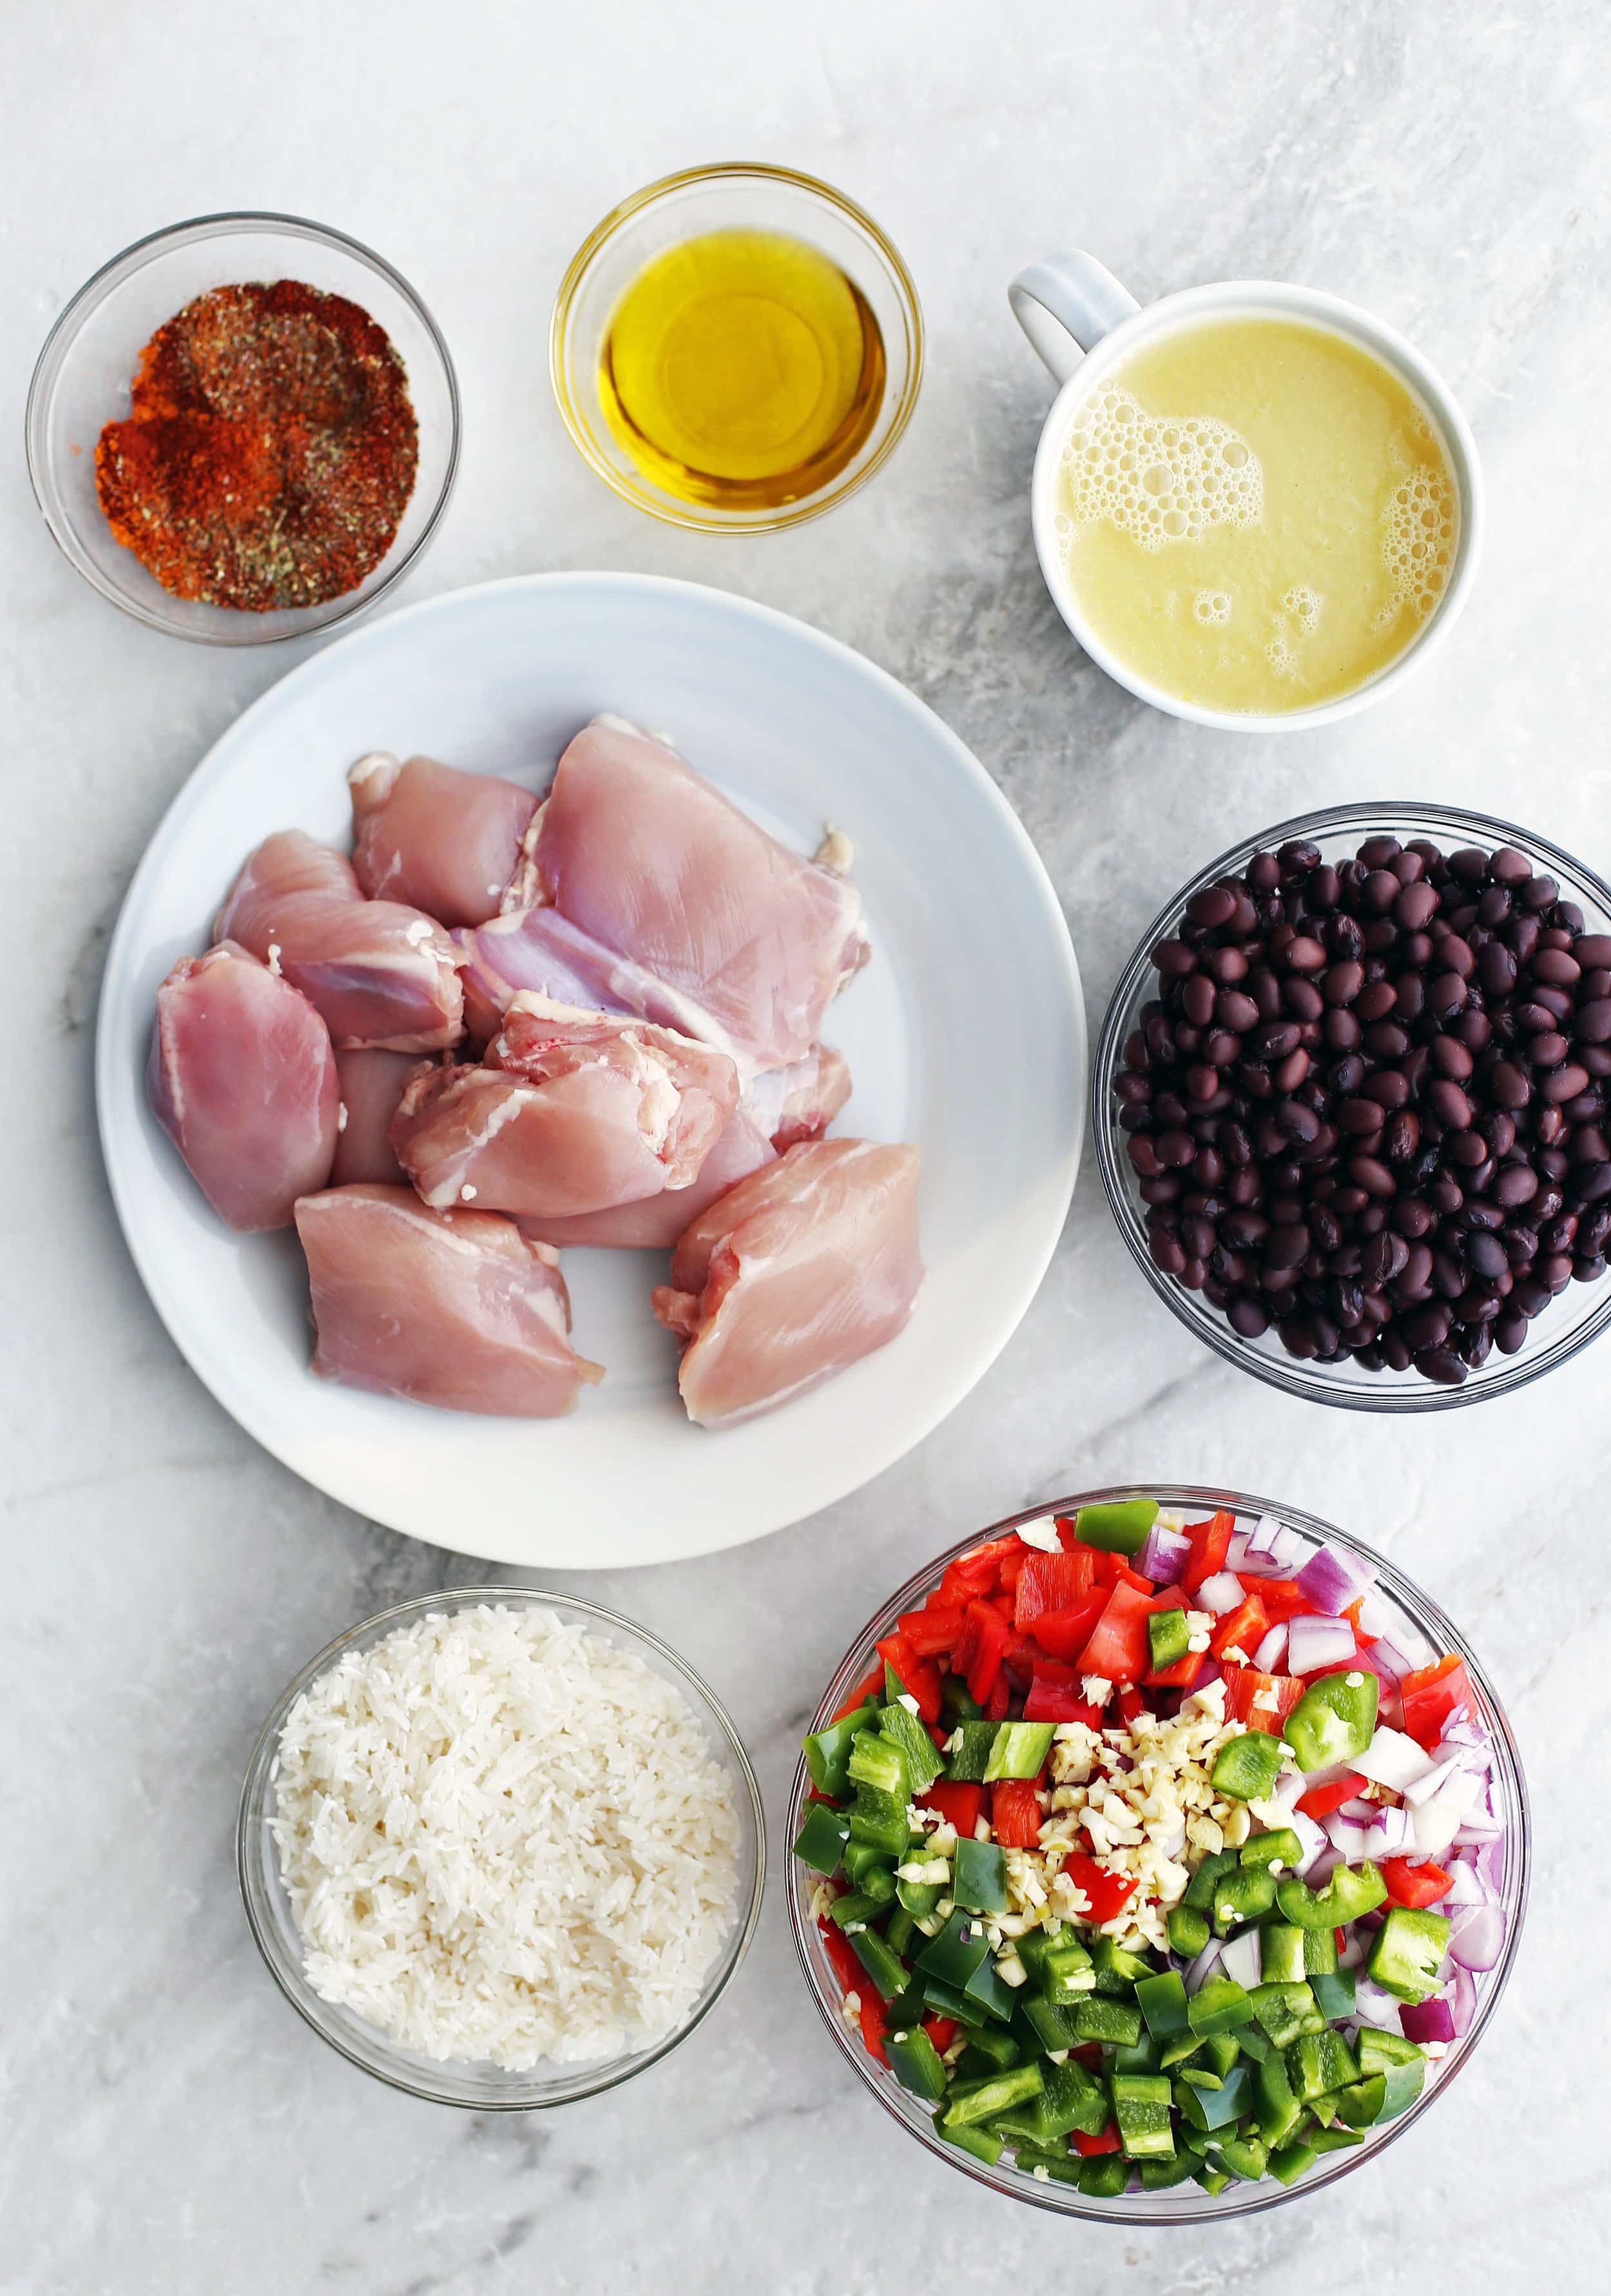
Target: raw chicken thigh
{"x":283,"y":865}
{"x":444,"y":841}
{"x":799,"y":1270}
{"x":371,"y":1086}
{"x":573,"y":1112}
{"x":654,"y":1222}
{"x":243,"y":1079}
{"x":800,"y":1101}
{"x":452,"y":1309}
{"x":650,"y":861}
{"x":380,"y":973}
{"x":540,"y":951}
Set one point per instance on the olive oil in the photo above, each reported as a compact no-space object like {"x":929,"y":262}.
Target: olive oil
{"x":1255,"y":514}
{"x":742,"y":369}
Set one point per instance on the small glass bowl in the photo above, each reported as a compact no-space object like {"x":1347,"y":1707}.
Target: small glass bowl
{"x":1576,"y":1315}
{"x":1180,"y":2203}
{"x":733,"y":196}
{"x":82,"y":380}
{"x":478,"y":2087}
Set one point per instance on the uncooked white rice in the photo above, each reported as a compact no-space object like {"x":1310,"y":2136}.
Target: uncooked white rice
{"x":505,"y":1838}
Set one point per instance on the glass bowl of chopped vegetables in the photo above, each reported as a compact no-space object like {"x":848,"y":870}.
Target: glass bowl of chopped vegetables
{"x":289,"y":465}
{"x":1349,"y":1105}
{"x":500,"y":1847}
{"x":1157,"y":1856}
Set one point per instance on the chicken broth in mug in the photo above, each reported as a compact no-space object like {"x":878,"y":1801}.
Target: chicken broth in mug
{"x":1255,"y":514}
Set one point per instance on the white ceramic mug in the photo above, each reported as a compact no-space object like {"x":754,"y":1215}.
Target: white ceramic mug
{"x":1083,"y":323}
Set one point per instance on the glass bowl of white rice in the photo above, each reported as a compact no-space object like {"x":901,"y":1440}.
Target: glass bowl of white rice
{"x":500,"y":1847}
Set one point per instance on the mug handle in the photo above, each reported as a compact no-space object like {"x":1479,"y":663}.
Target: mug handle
{"x":1066,"y":305}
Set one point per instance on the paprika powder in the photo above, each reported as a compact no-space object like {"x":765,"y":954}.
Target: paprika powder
{"x":269,"y":451}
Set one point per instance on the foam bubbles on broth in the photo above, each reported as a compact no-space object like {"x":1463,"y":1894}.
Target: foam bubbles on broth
{"x":1159,"y":479}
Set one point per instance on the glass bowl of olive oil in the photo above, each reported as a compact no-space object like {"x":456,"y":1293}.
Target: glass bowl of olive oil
{"x":736,"y":347}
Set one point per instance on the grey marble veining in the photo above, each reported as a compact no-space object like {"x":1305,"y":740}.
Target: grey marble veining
{"x":169,"y":2126}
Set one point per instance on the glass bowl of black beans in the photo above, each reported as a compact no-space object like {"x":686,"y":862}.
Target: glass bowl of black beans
{"x":1351,"y":1106}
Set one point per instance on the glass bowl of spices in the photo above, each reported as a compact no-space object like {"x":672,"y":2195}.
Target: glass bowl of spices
{"x":1350,"y":1106}
{"x":243,"y":429}
{"x":736,"y":348}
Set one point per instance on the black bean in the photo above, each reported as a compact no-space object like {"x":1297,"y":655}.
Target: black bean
{"x":1441,"y":1363}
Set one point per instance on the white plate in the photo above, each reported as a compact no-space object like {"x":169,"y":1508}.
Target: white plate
{"x":966,"y":1034}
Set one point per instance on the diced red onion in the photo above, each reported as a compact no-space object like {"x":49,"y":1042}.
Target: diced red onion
{"x":1242,"y":1957}
{"x":1428,"y":2021}
{"x":1422,"y":1789}
{"x":1346,"y":1836}
{"x":1476,"y":1831}
{"x":1375,"y":1618}
{"x":1270,"y":1544}
{"x":1488,"y":1858}
{"x":1351,"y":1954}
{"x":1318,"y":1874}
{"x":1389,"y":1835}
{"x":1220,"y":1594}
{"x":1235,"y":1553}
{"x":1373,"y":2006}
{"x":1465,"y":1888}
{"x":1332,"y":1579}
{"x":1270,"y":1652}
{"x":1163,"y":1556}
{"x":1312,"y":1644}
{"x":1202,"y":1966}
{"x":1211,"y":1671}
{"x":1359,"y":1810}
{"x":1368,"y":1924}
{"x":1388,"y":1655}
{"x":1463,"y":2001}
{"x":1311,"y":1835}
{"x":1477,"y":1937}
{"x":1393,"y":1760}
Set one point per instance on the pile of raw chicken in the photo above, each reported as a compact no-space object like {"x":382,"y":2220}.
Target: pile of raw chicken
{"x":506,"y":1026}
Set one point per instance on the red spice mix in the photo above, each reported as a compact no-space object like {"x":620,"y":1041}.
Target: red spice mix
{"x":269,"y":452}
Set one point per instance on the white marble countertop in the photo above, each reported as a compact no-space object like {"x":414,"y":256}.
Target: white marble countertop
{"x":171,"y":2127}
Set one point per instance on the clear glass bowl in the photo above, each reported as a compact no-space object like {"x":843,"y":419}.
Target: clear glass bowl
{"x":733,"y":196}
{"x":82,"y":379}
{"x":1576,"y":1315}
{"x":1180,"y":2203}
{"x":482,"y":2087}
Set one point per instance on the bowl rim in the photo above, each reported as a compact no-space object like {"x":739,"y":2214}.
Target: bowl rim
{"x":250,"y":1861}
{"x":690,"y":516}
{"x":1067,"y":2200}
{"x":56,"y":348}
{"x":1290,"y":1375}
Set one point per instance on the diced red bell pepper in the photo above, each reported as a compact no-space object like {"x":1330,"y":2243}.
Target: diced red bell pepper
{"x":1431,"y":1694}
{"x":919,"y":1675}
{"x":1063,"y":1635}
{"x":1088,"y":2147}
{"x":1210,"y":1545}
{"x":1130,"y":1703}
{"x":874,"y":2020}
{"x":846,"y":1968}
{"x":932,"y":1631}
{"x":1015,"y":1815}
{"x":1011,"y":1567}
{"x":968,"y":1575}
{"x":1181,"y":1676}
{"x":1264,"y":1700}
{"x":1243,"y":1628}
{"x":1117,"y":1648}
{"x":1055,"y":1696}
{"x":1107,"y":1894}
{"x":871,"y":1686}
{"x":942,"y":2031}
{"x":1053,"y":1582}
{"x":1415,"y":1885}
{"x":1282,"y":1598}
{"x":958,"y":1803}
{"x":1000,"y":1698}
{"x":977,"y":1656}
{"x":1319,"y":1801}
